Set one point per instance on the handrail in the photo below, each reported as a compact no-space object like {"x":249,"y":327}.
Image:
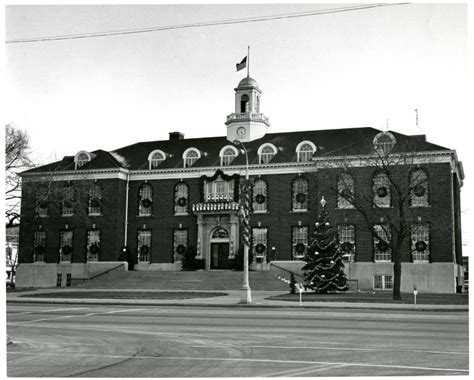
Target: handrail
{"x":105,"y":272}
{"x":287,"y":270}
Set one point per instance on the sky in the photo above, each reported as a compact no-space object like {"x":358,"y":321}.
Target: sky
{"x":365,"y":68}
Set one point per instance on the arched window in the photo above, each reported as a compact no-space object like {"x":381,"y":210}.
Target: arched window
{"x":144,"y":245}
{"x":181,"y":198}
{"x":381,"y":190}
{"x":300,"y":194}
{"x":145,"y":200}
{"x":346,"y":233}
{"x":190,"y":156}
{"x":156,"y":158}
{"x":95,"y":200}
{"x":265,"y":153}
{"x":228,"y":154}
{"x":384,"y":143}
{"x":305,"y":151}
{"x":259,"y":196}
{"x":345,"y":191}
{"x":418,"y":188}
{"x":81,"y":159}
{"x":244,"y":103}
{"x":382,"y":250}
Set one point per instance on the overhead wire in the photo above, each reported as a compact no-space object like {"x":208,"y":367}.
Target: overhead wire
{"x":200,"y":24}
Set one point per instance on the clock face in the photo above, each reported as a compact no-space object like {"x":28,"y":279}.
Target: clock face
{"x":240,"y":132}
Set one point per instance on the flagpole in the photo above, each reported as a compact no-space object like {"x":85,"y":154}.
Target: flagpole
{"x":248,"y":61}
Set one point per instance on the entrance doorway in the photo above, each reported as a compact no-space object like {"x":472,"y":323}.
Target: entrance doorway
{"x":220,"y":256}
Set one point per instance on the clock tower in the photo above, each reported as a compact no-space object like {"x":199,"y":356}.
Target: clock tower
{"x":247,"y":123}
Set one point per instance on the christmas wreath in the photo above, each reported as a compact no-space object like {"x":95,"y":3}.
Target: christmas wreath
{"x":146,"y":202}
{"x":382,"y":246}
{"x":382,"y":192}
{"x":419,"y":191}
{"x":181,"y":249}
{"x":182,"y":201}
{"x":260,"y":248}
{"x":66,"y":250}
{"x":347,"y":246}
{"x":94,"y":248}
{"x":260,"y":198}
{"x":420,"y":246}
{"x":300,"y":197}
{"x":95,"y":202}
{"x":345,"y":193}
{"x":300,"y":247}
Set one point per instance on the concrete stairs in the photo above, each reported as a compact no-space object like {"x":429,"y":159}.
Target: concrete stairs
{"x":183,"y":280}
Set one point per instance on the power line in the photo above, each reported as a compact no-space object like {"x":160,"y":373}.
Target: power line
{"x":199,"y":24}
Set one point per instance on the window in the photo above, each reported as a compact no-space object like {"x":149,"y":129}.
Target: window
{"x":67,"y":204}
{"x":68,"y":279}
{"x":41,"y":200}
{"x":180,"y":244}
{"x":345,"y":190}
{"x":259,"y":196}
{"x":299,"y":194}
{"x":181,"y":198}
{"x":65,"y":245}
{"x":190,"y":156}
{"x":346,"y":234}
{"x":382,"y":250}
{"x":383,"y":281}
{"x":39,"y":244}
{"x":219,"y":190}
{"x":81,"y":159}
{"x":299,"y":238}
{"x":95,"y":200}
{"x":144,"y":246}
{"x":93,"y":245}
{"x":145,"y":200}
{"x":265,"y":153}
{"x":305,"y":151}
{"x":244,"y":103}
{"x":156,"y":158}
{"x":259,"y":243}
{"x":418,"y":188}
{"x":381,"y":190}
{"x":59,"y":280}
{"x":384,"y":143}
{"x":420,"y":243}
{"x":228,"y":155}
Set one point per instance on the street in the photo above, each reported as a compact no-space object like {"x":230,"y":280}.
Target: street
{"x":159,"y":341}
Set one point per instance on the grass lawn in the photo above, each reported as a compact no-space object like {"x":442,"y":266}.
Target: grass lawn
{"x":378,"y":297}
{"x":128,"y":295}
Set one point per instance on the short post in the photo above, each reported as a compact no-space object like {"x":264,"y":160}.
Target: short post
{"x":300,"y":289}
{"x":415,"y":292}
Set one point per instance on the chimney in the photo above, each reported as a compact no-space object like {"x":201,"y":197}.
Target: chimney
{"x":176,"y":136}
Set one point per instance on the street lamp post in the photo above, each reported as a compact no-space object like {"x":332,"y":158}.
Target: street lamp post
{"x":244,"y":213}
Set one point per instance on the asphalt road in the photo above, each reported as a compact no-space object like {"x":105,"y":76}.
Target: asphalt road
{"x":150,"y":341}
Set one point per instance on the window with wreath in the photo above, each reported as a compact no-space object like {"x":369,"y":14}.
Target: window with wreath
{"x":420,"y":243}
{"x":39,"y":245}
{"x":228,"y":154}
{"x":144,"y":246}
{"x":266,"y":153}
{"x":95,"y":200}
{"x":156,"y":158}
{"x":347,"y":242}
{"x":93,"y":245}
{"x":305,"y":151}
{"x":300,"y":194}
{"x":145,"y":200}
{"x":42,"y":204}
{"x":345,"y":190}
{"x":181,"y":198}
{"x":180,"y":244}
{"x":382,"y":250}
{"x":299,"y":241}
{"x":418,"y":188}
{"x":67,"y":202}
{"x":259,"y":196}
{"x":259,"y":243}
{"x":190,"y":157}
{"x":381,"y":190}
{"x":65,"y":245}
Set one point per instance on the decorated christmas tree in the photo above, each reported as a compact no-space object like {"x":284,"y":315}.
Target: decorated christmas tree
{"x":323,"y":270}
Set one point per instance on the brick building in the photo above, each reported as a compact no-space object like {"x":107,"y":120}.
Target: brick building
{"x":158,"y":198}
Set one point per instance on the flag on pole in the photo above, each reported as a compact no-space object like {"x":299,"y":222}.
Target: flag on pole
{"x":242,"y":64}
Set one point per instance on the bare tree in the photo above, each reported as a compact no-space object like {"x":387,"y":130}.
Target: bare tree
{"x":17,"y":159}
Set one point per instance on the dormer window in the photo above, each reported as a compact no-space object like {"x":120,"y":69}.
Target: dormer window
{"x":305,"y":151}
{"x":266,"y":152}
{"x":228,"y":154}
{"x":156,"y":158}
{"x":384,"y":143}
{"x":190,"y":156}
{"x":81,"y":159}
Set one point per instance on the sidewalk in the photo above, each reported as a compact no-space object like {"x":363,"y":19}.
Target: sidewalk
{"x":232,"y":299}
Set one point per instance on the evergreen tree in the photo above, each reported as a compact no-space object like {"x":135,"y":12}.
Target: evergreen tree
{"x":323,"y":270}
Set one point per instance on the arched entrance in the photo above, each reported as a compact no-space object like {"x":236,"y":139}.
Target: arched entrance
{"x":219,"y":250}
